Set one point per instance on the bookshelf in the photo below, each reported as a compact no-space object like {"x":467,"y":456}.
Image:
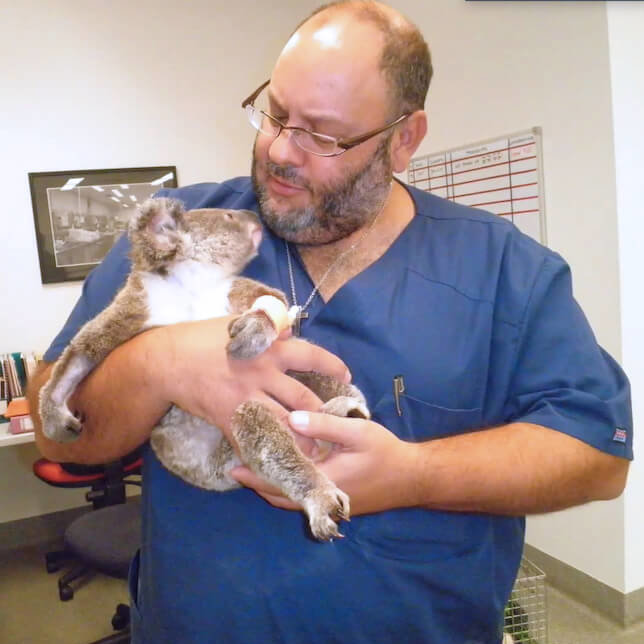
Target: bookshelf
{"x":15,"y":370}
{"x":7,"y":439}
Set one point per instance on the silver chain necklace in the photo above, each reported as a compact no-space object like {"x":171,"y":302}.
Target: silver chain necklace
{"x":300,"y":311}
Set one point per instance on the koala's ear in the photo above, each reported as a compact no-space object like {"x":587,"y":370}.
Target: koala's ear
{"x":159,"y":221}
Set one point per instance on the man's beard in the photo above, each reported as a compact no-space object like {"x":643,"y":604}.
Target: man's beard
{"x":337,"y":210}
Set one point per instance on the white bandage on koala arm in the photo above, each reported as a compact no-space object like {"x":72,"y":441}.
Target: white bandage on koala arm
{"x":276,"y":311}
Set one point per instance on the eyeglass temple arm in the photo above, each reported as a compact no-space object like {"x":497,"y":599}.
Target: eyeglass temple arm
{"x":255,"y":94}
{"x":346,"y":144}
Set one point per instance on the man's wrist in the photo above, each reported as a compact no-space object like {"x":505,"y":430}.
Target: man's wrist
{"x":415,"y":474}
{"x":158,"y":356}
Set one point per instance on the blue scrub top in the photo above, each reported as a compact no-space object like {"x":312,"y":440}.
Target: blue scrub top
{"x":480,"y":321}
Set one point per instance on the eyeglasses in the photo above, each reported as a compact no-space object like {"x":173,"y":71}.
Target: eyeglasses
{"x":309,"y":141}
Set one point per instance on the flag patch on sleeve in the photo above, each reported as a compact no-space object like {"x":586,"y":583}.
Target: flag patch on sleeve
{"x":620,"y":435}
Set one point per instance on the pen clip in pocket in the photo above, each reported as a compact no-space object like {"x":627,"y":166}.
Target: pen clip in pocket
{"x":399,"y":389}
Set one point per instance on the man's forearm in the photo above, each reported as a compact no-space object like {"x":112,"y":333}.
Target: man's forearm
{"x":512,"y":470}
{"x":120,"y":402}
{"x":515,"y":469}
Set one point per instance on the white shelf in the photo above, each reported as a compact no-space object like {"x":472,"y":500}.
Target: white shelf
{"x":7,"y":439}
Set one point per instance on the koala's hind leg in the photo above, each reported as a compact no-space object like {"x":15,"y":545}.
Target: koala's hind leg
{"x":339,"y":399}
{"x":194,"y":450}
{"x":268,"y":448}
{"x":116,"y":324}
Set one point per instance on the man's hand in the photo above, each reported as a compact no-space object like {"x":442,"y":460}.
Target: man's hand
{"x":367,"y":462}
{"x":513,"y":470}
{"x":213,"y":384}
{"x":187,"y":365}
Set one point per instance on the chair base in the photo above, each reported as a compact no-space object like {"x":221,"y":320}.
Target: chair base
{"x":120,"y":622}
{"x":121,"y":618}
{"x":115,"y":638}
{"x":54,"y":561}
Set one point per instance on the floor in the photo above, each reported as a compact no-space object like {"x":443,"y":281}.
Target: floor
{"x":31,"y":613}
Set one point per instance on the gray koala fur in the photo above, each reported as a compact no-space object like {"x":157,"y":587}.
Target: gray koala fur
{"x":185,"y":266}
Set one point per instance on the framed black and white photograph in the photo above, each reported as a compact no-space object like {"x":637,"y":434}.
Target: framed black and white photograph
{"x":79,"y":214}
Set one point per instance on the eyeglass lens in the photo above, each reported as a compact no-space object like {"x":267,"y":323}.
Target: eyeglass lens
{"x":260,"y":118}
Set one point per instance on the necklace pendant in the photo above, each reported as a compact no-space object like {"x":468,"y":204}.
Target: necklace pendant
{"x":297,"y":321}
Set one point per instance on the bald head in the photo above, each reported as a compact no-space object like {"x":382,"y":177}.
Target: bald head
{"x":403,"y":57}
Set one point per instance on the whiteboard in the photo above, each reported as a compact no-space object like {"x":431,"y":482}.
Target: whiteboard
{"x":503,"y":175}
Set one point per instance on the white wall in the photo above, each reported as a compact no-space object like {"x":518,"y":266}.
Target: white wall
{"x":625,"y":27}
{"x":89,"y":84}
{"x":116,"y":84}
{"x":503,"y":67}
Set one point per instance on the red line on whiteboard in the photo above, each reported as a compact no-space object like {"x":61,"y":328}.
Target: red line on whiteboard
{"x":514,"y":187}
{"x":489,"y":203}
{"x":516,"y":212}
{"x":495,"y":176}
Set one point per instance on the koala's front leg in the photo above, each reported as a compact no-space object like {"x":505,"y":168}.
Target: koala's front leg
{"x":58,"y":423}
{"x":250,"y":335}
{"x":268,"y":448}
{"x":116,"y":324}
{"x":259,"y":324}
{"x":245,"y":291}
{"x":254,"y":330}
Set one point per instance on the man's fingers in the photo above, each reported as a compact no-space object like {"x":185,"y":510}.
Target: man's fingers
{"x":299,"y":355}
{"x":270,"y":493}
{"x":272,"y":404}
{"x":343,"y":431}
{"x":292,"y":393}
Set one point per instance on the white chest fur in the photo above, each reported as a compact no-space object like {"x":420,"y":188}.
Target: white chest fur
{"x":191,"y":291}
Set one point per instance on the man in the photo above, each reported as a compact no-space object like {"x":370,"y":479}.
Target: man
{"x":489,"y":394}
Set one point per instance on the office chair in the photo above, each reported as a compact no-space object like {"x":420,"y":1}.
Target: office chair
{"x":104,"y":539}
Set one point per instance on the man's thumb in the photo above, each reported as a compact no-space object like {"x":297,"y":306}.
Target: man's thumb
{"x":318,"y":425}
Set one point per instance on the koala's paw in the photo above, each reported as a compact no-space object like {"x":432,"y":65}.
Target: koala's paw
{"x":346,"y":406}
{"x":325,"y":506}
{"x":59,"y":424}
{"x":250,"y":335}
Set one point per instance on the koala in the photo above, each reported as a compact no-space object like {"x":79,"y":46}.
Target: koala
{"x":185,"y":266}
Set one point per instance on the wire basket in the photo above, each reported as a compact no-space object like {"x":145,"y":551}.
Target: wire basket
{"x":525,"y":612}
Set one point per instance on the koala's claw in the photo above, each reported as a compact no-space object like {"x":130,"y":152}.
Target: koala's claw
{"x":324,"y":506}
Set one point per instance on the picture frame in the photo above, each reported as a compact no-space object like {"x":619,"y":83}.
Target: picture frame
{"x":79,"y":214}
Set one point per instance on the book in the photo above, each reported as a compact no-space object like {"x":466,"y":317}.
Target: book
{"x":11,"y":375}
{"x":15,"y":370}
{"x":17,"y":407}
{"x":19,"y":366}
{"x":30,"y":361}
{"x":4,"y":385}
{"x":21,"y":424}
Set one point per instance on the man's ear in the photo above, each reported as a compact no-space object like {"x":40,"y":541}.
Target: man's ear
{"x":407,"y":138}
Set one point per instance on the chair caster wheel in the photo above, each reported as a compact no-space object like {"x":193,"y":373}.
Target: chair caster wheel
{"x":54,"y":561}
{"x":121,"y":618}
{"x":65,"y":593}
